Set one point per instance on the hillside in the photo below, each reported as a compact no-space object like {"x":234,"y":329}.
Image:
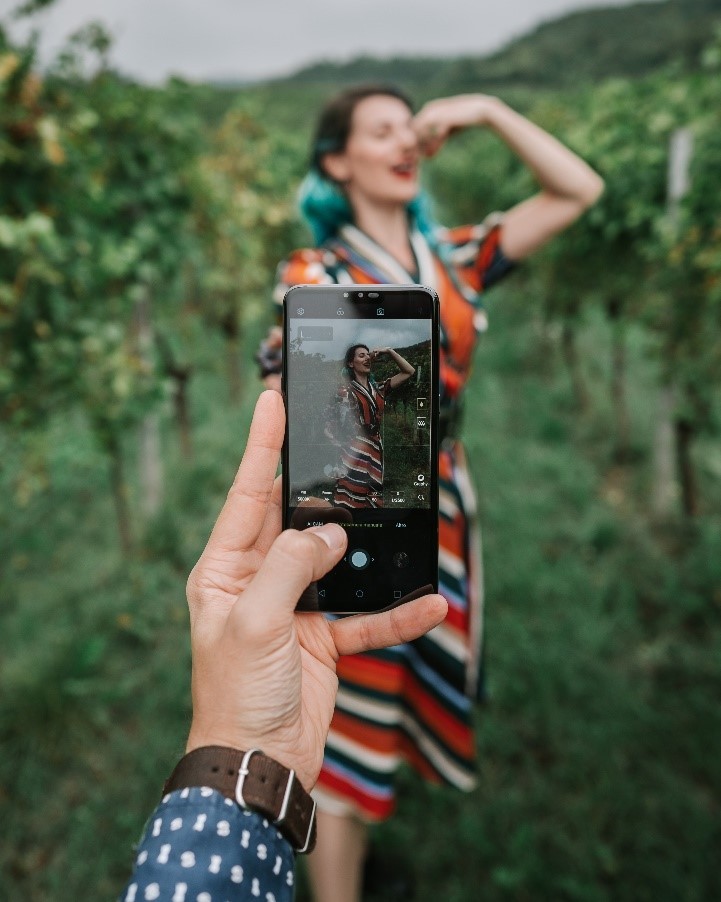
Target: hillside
{"x":580,"y":47}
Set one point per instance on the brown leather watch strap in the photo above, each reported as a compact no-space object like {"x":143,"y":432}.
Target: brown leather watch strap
{"x":255,"y":782}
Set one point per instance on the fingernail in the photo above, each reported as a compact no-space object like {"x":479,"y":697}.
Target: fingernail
{"x":332,"y":534}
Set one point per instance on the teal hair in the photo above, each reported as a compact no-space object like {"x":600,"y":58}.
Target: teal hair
{"x":325,"y":208}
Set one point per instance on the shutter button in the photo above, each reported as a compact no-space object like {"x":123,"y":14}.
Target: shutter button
{"x":359,"y":559}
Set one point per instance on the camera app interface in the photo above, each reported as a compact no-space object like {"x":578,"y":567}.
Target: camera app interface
{"x":358,"y":395}
{"x":359,"y":384}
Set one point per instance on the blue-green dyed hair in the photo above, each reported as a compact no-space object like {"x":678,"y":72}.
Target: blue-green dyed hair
{"x":321,"y":200}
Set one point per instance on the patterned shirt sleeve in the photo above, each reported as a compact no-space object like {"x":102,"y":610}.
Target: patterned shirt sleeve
{"x":199,"y":845}
{"x":306,"y":266}
{"x":385,"y":387}
{"x":475,"y":251}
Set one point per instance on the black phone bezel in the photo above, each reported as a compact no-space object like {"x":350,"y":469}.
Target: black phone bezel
{"x":372,"y":295}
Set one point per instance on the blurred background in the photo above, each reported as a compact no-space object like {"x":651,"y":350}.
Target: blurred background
{"x":148,"y":166}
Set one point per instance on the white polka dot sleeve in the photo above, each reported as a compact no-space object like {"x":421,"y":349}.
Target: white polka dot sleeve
{"x":199,"y":846}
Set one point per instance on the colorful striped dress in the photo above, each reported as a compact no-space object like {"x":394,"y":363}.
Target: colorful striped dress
{"x":413,"y":703}
{"x":361,"y":482}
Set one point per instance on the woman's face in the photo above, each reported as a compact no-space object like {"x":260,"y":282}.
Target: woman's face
{"x":361,"y":363}
{"x":380,"y":160}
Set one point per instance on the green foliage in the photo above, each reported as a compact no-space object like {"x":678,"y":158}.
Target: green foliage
{"x":121,"y":223}
{"x":92,"y":223}
{"x":632,"y":254}
{"x":686,"y":313}
{"x":243,"y":213}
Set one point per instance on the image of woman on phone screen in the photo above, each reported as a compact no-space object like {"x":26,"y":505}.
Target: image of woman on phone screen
{"x":362,"y":199}
{"x":355,"y":426}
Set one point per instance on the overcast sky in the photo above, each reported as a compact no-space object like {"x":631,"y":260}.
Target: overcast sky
{"x":206,"y":39}
{"x":394,"y":333}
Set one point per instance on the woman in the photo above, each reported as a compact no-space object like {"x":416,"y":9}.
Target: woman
{"x":362,"y":199}
{"x":356,"y":426}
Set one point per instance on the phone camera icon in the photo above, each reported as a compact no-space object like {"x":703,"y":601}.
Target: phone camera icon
{"x":421,"y":477}
{"x":380,"y":312}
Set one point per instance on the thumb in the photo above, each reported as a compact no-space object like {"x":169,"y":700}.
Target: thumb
{"x":294,"y":561}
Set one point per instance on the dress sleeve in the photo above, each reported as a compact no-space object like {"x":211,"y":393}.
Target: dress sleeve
{"x":198,"y":845}
{"x":476,"y":253}
{"x":385,"y":388}
{"x":308,"y":266}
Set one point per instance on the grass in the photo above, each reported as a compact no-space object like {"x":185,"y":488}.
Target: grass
{"x":600,"y":747}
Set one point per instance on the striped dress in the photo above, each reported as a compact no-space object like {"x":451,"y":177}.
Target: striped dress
{"x":413,"y":703}
{"x":361,"y":483}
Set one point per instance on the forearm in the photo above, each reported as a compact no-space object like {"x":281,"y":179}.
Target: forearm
{"x":559,"y":171}
{"x":403,"y":364}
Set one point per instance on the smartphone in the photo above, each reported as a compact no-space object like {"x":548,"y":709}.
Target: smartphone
{"x":360,"y":383}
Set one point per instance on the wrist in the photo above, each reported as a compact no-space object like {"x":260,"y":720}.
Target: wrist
{"x":491,"y":109}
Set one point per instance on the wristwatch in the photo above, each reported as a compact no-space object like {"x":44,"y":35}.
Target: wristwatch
{"x":257,"y":783}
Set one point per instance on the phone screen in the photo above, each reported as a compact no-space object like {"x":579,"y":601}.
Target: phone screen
{"x":361,"y":387}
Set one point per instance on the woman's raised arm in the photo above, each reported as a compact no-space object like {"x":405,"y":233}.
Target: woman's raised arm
{"x":569,"y":186}
{"x":406,"y":369}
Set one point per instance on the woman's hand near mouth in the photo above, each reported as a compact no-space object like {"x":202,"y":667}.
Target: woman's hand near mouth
{"x":437,"y":120}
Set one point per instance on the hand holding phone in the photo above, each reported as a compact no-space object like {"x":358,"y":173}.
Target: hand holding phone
{"x":264,"y":677}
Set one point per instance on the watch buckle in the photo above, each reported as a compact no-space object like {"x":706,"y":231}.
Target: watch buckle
{"x":242,"y":774}
{"x":284,"y":811}
{"x":310,"y":830}
{"x":286,"y":798}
